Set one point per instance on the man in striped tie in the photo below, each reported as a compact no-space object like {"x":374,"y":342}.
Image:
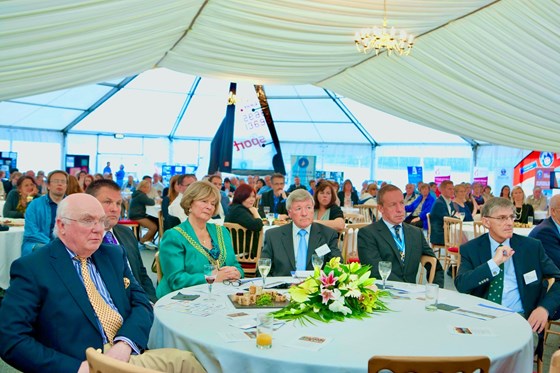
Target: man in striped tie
{"x":509,"y":269}
{"x":75,"y":293}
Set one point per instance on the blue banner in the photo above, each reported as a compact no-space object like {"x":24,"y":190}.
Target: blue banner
{"x":415,"y":174}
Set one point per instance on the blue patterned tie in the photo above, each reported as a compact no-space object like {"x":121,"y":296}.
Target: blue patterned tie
{"x":110,"y":239}
{"x":301,"y":261}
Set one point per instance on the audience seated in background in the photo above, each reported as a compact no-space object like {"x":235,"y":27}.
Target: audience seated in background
{"x":537,"y":200}
{"x":108,"y":193}
{"x":348,"y":196}
{"x":39,"y":304}
{"x":390,"y":240}
{"x":548,"y":231}
{"x":129,"y":184}
{"x":185,"y":249}
{"x":370,"y":196}
{"x":275,"y":199}
{"x":157,"y":186}
{"x":19,"y":198}
{"x":291,"y":246}
{"x":505,"y":192}
{"x":11,"y":183}
{"x":175,"y":209}
{"x":478,"y":196}
{"x":137,"y":211}
{"x":73,"y":186}
{"x":410,"y":194}
{"x":243,"y":212}
{"x":327,"y":212}
{"x":216,"y":180}
{"x":441,"y":208}
{"x":522,"y":210}
{"x":267,"y":185}
{"x":296,"y":185}
{"x":420,"y":208}
{"x":40,"y":214}
{"x":461,"y":205}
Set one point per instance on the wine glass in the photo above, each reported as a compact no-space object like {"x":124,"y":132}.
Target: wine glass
{"x":384,"y":270}
{"x":317,"y":261}
{"x":210,"y":277}
{"x":264,"y":268}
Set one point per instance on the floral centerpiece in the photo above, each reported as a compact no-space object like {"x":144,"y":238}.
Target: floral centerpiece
{"x":339,"y":291}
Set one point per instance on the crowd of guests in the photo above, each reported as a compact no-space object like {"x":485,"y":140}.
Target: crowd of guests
{"x":73,"y":224}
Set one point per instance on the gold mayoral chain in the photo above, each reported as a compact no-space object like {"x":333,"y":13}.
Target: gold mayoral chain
{"x":221,"y":244}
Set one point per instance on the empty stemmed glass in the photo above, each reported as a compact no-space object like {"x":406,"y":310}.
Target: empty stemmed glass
{"x":210,"y":277}
{"x":264,"y":267}
{"x":317,"y":261}
{"x":384,"y":270}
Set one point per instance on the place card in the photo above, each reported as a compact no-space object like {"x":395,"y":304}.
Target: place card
{"x":309,"y":342}
{"x":479,"y":332}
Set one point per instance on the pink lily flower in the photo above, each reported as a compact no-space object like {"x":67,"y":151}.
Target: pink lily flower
{"x":329,"y":280}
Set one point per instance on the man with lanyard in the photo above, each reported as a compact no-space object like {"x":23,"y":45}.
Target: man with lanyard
{"x":390,"y":240}
{"x":275,"y":199}
{"x":41,"y":212}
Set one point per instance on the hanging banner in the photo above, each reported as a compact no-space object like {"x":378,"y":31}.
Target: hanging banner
{"x":536,"y":165}
{"x":442,"y":173}
{"x":415,"y":174}
{"x":480,"y":175}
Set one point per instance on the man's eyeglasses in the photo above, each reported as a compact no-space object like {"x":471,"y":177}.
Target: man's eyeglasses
{"x":502,"y":218}
{"x":234,"y":283}
{"x":57,"y":182}
{"x":90,"y":222}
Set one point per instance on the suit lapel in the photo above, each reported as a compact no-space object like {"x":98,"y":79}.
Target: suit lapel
{"x":315,"y":235}
{"x":288,"y":244}
{"x":519,"y":264}
{"x":385,"y":233}
{"x":62,"y":265}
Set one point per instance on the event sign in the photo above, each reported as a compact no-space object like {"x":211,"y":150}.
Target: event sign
{"x":415,"y":174}
{"x":480,"y":175}
{"x":442,"y":173}
{"x":537,"y":166}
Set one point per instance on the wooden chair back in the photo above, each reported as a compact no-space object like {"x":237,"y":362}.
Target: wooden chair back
{"x":244,"y":242}
{"x":429,"y":364}
{"x":369,"y":212}
{"x":350,"y":240}
{"x":479,"y":229}
{"x":160,"y":225}
{"x":453,"y":238}
{"x":157,"y":267}
{"x":354,"y":218}
{"x":424,"y":259}
{"x":99,"y":363}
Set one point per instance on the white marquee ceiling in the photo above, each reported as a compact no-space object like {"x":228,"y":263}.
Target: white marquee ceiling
{"x":481,"y":69}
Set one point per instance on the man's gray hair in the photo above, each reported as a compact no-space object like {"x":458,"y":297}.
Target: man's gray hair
{"x":61,"y":210}
{"x":299,"y":195}
{"x":496,"y":203}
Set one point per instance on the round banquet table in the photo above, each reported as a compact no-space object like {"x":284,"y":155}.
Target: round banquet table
{"x":405,"y":330}
{"x":10,"y":250}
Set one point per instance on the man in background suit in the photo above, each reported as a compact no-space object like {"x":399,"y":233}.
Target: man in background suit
{"x":275,"y":198}
{"x":50,"y":316}
{"x":548,"y":231}
{"x":291,"y":247}
{"x":390,"y":240}
{"x":442,"y":207}
{"x":509,"y":269}
{"x":109,"y":194}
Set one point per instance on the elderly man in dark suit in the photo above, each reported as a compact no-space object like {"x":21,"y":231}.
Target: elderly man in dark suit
{"x":548,"y":231}
{"x":442,"y":207}
{"x":292,"y":246}
{"x":75,"y":293}
{"x":509,"y":269}
{"x":391,"y":240}
{"x":109,"y":194}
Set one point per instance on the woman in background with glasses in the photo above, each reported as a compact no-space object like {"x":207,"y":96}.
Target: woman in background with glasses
{"x":188,"y":247}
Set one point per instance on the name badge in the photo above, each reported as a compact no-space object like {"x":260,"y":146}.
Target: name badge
{"x":530,"y":277}
{"x":323,"y":250}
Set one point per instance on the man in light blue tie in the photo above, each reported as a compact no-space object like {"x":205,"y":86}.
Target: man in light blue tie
{"x":290,"y":247}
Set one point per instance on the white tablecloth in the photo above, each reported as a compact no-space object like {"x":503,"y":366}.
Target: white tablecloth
{"x":10,"y":250}
{"x":468,"y":230}
{"x":540,"y":215}
{"x":153,"y":210}
{"x":407,"y":330}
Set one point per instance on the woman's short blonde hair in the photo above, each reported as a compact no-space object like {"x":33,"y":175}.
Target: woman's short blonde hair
{"x":199,"y":191}
{"x":144,"y":184}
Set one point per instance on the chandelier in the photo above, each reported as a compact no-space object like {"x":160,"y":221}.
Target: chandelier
{"x":377,"y":38}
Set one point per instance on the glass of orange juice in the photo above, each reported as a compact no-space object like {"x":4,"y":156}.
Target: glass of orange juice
{"x":265,"y":323}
